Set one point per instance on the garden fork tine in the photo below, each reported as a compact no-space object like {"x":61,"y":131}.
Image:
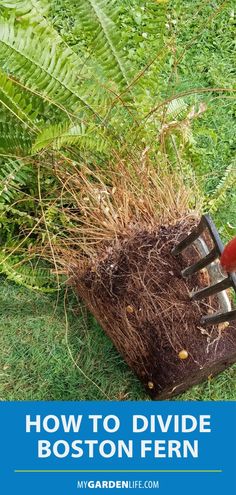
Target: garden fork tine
{"x":208,"y":261}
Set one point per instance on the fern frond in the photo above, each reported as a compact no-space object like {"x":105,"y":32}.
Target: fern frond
{"x":19,"y":216}
{"x":13,"y":174}
{"x":95,"y":17}
{"x":14,"y":139}
{"x":36,"y":278}
{"x":176,"y":108}
{"x":59,"y":135}
{"x":218,"y":196}
{"x":42,"y":64}
{"x":16,"y":102}
{"x":35,"y":10}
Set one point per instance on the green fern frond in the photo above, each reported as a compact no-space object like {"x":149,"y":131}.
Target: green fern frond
{"x":219,"y":195}
{"x":81,"y":136}
{"x":29,"y":9}
{"x":176,"y":109}
{"x":14,"y":139}
{"x":19,"y":216}
{"x":17,"y":103}
{"x":157,"y":17}
{"x":95,"y":17}
{"x":42,"y":64}
{"x":187,"y":133}
{"x":36,"y":278}
{"x":13,"y":175}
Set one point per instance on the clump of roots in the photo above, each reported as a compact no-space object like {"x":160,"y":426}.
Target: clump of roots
{"x":120,"y":226}
{"x":138,"y":295}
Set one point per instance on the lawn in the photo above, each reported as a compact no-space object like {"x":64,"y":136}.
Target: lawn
{"x":51,"y":348}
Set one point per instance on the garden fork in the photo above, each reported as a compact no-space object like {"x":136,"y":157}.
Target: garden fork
{"x":209,"y":261}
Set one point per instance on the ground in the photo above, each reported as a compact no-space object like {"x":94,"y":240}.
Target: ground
{"x":48,"y":356}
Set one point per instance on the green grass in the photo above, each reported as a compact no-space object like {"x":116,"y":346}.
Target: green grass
{"x":37,"y":345}
{"x":35,"y":361}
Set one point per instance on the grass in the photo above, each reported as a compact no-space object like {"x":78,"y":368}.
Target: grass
{"x":35,"y":361}
{"x":46,"y":356}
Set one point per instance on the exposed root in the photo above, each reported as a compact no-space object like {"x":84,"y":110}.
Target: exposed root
{"x":119,"y":226}
{"x":137,"y":293}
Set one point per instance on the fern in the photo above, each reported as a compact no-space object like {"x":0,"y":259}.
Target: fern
{"x":13,"y":175}
{"x":7,"y":211}
{"x":14,"y":139}
{"x":59,"y":135}
{"x":17,"y":103}
{"x":218,"y":196}
{"x":95,"y":17}
{"x":48,"y":91}
{"x":36,"y":278}
{"x":42,"y":65}
{"x":35,"y":10}
{"x":176,"y":109}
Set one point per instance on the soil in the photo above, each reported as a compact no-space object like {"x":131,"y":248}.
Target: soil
{"x":136,"y":292}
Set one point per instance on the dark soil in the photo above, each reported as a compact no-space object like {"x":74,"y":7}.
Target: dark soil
{"x":137,"y":294}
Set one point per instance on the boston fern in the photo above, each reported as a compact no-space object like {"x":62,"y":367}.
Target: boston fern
{"x":60,"y":106}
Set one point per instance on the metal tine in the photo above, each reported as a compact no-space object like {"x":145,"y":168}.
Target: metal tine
{"x":190,"y":238}
{"x":204,"y":223}
{"x":212,"y":289}
{"x":213,"y":233}
{"x":233,"y":278}
{"x":218,"y":318}
{"x":201,"y":263}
